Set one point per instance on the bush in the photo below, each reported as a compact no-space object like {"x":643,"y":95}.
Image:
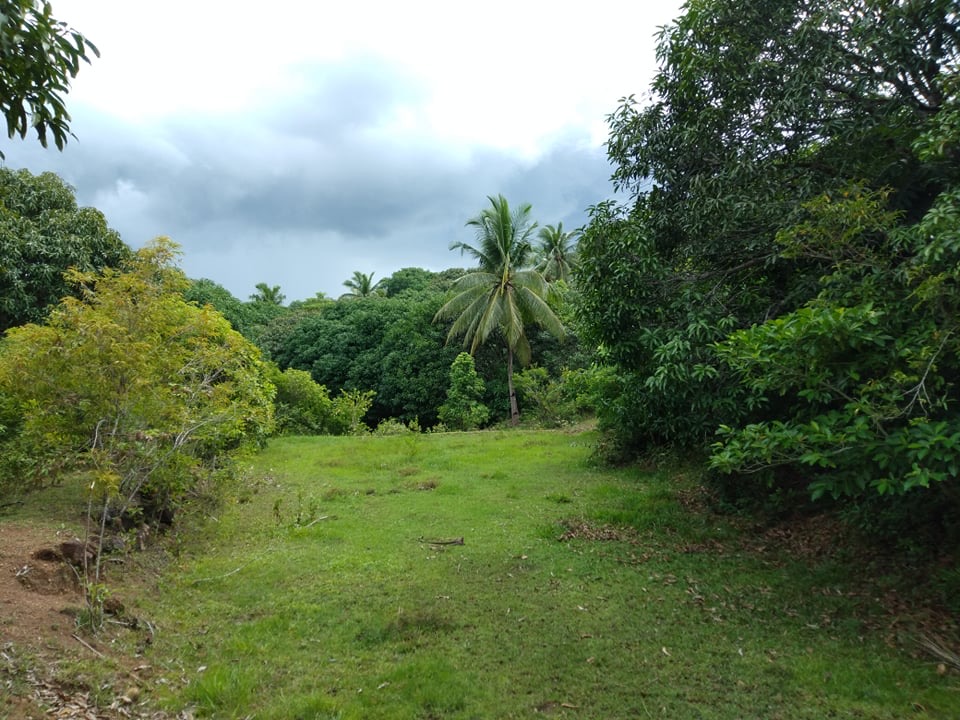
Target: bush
{"x":147,"y":396}
{"x":463,"y":409}
{"x":554,"y":402}
{"x":349,"y":410}
{"x":303,"y":406}
{"x":392,"y":426}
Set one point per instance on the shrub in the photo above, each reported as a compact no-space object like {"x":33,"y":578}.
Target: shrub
{"x":303,"y":406}
{"x":148,"y":396}
{"x":463,"y":409}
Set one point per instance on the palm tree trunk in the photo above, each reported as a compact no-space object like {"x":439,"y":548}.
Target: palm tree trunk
{"x":514,"y":410}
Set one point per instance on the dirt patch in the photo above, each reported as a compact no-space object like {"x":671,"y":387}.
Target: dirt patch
{"x":38,"y":595}
{"x":805,"y":537}
{"x":48,"y":578}
{"x":39,"y":600}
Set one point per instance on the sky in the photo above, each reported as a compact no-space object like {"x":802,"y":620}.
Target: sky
{"x":296,"y":144}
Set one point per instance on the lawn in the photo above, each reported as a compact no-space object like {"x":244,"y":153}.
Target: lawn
{"x":337,"y":587}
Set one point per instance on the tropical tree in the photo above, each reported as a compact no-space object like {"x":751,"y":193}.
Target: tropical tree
{"x":504,"y":294}
{"x":42,"y":233}
{"x":204,"y":292}
{"x":387,"y":344}
{"x":267,"y":294}
{"x":761,"y":120}
{"x":39,"y":55}
{"x":302,"y":406}
{"x":412,"y":280}
{"x":556,"y":252}
{"x":360,"y":285}
{"x":317,"y":302}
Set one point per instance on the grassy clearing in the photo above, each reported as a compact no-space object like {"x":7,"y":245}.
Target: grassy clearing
{"x":577,"y":592}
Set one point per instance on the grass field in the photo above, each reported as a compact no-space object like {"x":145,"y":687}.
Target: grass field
{"x":329,"y":592}
{"x":337,"y":587}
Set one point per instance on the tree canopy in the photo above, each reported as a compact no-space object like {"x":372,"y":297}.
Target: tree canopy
{"x":39,"y":56}
{"x":781,"y":269}
{"x":388,"y":345}
{"x":146,"y":393}
{"x":42,"y":234}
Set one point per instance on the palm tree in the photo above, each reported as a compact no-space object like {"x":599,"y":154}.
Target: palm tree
{"x":268,"y":295}
{"x":361,"y":285}
{"x":504,"y":294}
{"x":556,"y":252}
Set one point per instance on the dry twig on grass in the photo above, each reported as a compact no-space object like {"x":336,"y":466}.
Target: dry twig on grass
{"x":451,"y":541}
{"x":940,"y":651}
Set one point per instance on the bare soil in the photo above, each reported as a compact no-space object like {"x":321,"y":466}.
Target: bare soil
{"x":36,"y":595}
{"x":40,"y":599}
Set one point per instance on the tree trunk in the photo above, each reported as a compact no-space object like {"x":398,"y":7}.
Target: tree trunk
{"x":514,"y":410}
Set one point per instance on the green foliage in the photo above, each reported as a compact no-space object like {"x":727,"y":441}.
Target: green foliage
{"x":418,"y":281}
{"x":273,"y":337}
{"x":316,"y":303}
{"x":360,"y":285}
{"x":92,"y":617}
{"x":536,"y":388}
{"x":391,"y":426}
{"x":556,"y":252}
{"x":656,"y":330}
{"x":147,"y":394}
{"x":258,"y":317}
{"x":42,"y":234}
{"x":39,"y":55}
{"x":207,"y":292}
{"x":260,"y":320}
{"x":349,"y":408}
{"x":389,"y":345}
{"x":302,"y":407}
{"x":554,"y":402}
{"x":868,"y":366}
{"x":267,"y":294}
{"x":462,"y":409}
{"x":504,"y":295}
{"x":785,"y":269}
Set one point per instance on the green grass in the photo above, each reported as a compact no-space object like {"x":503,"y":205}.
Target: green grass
{"x":320,"y":596}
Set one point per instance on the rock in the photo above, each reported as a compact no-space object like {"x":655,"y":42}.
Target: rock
{"x":77,"y":552}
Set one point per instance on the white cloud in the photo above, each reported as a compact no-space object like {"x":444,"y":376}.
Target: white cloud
{"x":501,"y":73}
{"x":298,"y":143}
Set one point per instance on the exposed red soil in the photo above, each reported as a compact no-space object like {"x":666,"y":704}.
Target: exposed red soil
{"x":40,"y":598}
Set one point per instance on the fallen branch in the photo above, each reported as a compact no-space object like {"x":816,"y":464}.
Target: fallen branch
{"x":221,"y":577}
{"x":453,"y":541}
{"x":88,"y":646}
{"x":314,"y":522}
{"x":940,"y":651}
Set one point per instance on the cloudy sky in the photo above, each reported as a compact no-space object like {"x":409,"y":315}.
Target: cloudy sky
{"x":296,"y":144}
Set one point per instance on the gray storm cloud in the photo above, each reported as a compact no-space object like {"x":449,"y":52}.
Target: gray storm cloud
{"x":312,"y":185}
